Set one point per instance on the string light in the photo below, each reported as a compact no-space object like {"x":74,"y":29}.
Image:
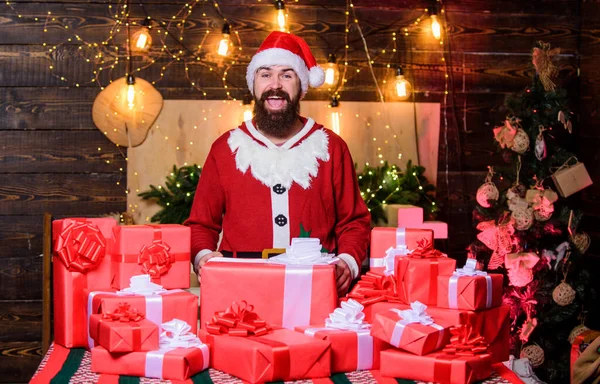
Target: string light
{"x":142,"y":41}
{"x":332,"y":72}
{"x":281,"y":16}
{"x":436,"y":28}
{"x":402,"y":86}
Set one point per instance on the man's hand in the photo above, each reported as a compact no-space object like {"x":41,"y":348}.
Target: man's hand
{"x":203,"y":261}
{"x":343,"y":277}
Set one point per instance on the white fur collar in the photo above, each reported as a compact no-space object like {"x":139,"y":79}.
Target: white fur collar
{"x":283,"y":165}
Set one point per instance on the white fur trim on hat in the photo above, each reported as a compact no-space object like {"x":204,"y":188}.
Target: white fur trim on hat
{"x":279,"y":56}
{"x":316,"y":76}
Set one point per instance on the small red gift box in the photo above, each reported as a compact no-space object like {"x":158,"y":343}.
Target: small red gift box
{"x":284,"y":295}
{"x":470,"y":289}
{"x":350,"y":350}
{"x":437,"y":367}
{"x":403,"y":239}
{"x":124,"y":331}
{"x":80,"y":261}
{"x":181,"y":355}
{"x":280,"y":355}
{"x":417,"y":274}
{"x":413,"y":330}
{"x":161,"y":251}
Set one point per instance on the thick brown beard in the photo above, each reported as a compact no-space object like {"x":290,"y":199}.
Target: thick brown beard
{"x":276,"y":124}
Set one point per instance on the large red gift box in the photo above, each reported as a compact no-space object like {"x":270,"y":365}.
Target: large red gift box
{"x":413,"y":330}
{"x":284,"y":295}
{"x":417,"y":274}
{"x":111,"y":332}
{"x":161,"y":251}
{"x":280,"y":355}
{"x":437,"y":367}
{"x":157,"y":308}
{"x":350,"y":350}
{"x":80,"y":261}
{"x":470,"y":289}
{"x":384,"y":238}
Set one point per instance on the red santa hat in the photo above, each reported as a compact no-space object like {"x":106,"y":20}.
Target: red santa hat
{"x":280,"y":48}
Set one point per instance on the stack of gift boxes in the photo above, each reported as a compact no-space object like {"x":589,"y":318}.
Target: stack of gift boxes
{"x":118,"y":291}
{"x":413,"y":316}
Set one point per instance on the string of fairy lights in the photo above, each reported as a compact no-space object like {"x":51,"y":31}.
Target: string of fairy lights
{"x":164,"y":43}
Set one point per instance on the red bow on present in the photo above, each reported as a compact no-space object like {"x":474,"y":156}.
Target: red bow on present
{"x":123,"y":313}
{"x":425,"y":250}
{"x":465,"y":342}
{"x":375,"y":287}
{"x":237,"y":320}
{"x":155,"y":259}
{"x":81,"y":247}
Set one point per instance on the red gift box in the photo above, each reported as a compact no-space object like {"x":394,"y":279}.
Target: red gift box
{"x":124,"y":331}
{"x":437,"y":367}
{"x":157,"y":308}
{"x":417,"y":274}
{"x":413,"y":330}
{"x":350,"y":350}
{"x":279,"y":355}
{"x":470,"y":289}
{"x":79,"y":262}
{"x":161,"y":251}
{"x":284,"y":295}
{"x":384,"y":238}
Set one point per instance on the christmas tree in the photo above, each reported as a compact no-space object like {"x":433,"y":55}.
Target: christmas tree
{"x":528,"y":232}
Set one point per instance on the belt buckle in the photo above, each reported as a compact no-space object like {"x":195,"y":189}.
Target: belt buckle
{"x":272,"y":251}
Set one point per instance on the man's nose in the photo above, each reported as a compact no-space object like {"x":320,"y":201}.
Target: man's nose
{"x":275,"y":82}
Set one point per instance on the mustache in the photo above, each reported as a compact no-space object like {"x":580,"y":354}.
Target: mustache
{"x":276,"y":93}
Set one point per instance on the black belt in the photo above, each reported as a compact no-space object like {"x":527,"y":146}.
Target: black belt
{"x":249,"y":255}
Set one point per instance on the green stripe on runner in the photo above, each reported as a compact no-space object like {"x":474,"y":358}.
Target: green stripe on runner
{"x":404,"y":381}
{"x":129,"y":380}
{"x":202,"y":378}
{"x":69,"y":367}
{"x":340,"y":378}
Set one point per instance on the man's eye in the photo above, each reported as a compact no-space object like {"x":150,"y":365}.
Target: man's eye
{"x":287,"y":76}
{"x":264,"y":75}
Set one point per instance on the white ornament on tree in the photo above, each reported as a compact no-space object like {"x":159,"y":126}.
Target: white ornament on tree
{"x":520,"y":142}
{"x":523,"y":217}
{"x":488,"y":191}
{"x":540,"y":145}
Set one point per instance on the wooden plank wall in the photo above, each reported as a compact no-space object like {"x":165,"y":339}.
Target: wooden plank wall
{"x":49,"y":145}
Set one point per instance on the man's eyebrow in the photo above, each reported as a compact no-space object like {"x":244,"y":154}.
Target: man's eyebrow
{"x":271,"y":69}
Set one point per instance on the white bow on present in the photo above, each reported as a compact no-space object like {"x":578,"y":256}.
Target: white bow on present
{"x":176,"y":334}
{"x":142,"y":285}
{"x":304,"y":251}
{"x":350,"y":317}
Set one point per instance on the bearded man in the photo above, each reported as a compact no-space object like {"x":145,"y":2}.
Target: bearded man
{"x":280,"y":175}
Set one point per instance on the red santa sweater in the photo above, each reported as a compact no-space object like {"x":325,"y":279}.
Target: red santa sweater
{"x":261,"y":195}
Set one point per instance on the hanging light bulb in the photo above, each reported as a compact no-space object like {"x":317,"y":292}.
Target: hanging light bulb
{"x":403,"y":87}
{"x":224,"y":43}
{"x":280,"y":16}
{"x":247,"y":103}
{"x":332,"y":72}
{"x":142,"y":41}
{"x":436,"y":27}
{"x":130,"y":91}
{"x":335,"y":115}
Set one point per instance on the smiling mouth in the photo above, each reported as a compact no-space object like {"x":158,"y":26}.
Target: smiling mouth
{"x":276,"y":102}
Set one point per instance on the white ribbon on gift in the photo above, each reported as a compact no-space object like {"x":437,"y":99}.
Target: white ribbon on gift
{"x":350,"y":317}
{"x":417,"y":314}
{"x":304,"y":251}
{"x":176,"y":334}
{"x":470,"y":269}
{"x":400,"y":249}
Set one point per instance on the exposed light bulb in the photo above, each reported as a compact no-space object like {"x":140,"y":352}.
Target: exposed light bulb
{"x":335,"y":115}
{"x":280,"y":16}
{"x":436,"y":28}
{"x":224,"y":43}
{"x":402,"y":86}
{"x":332,"y":72}
{"x":142,"y":41}
{"x":130,"y":91}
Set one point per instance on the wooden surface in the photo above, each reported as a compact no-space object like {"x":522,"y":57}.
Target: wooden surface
{"x":49,"y":145}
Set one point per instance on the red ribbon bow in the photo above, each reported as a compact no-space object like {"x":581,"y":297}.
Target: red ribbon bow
{"x":81,"y":246}
{"x":238,"y":320}
{"x":123,"y":313}
{"x":155,"y":259}
{"x":373,"y":288}
{"x":425,"y":250}
{"x":465,"y":342}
